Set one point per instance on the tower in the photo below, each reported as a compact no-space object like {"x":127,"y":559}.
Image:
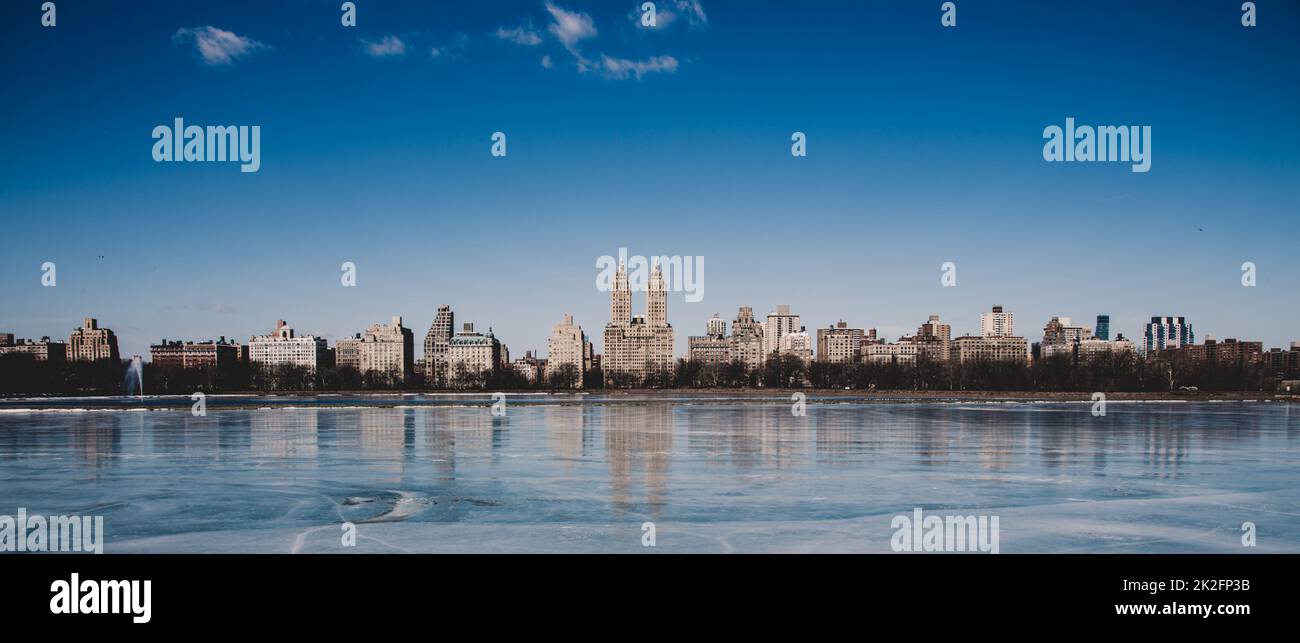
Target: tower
{"x":620,"y":301}
{"x":657,"y":299}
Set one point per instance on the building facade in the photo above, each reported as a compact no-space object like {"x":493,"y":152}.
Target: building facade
{"x":996,"y":348}
{"x":1062,"y":337}
{"x":901,"y":352}
{"x":90,"y":342}
{"x":638,"y":347}
{"x":387,"y":349}
{"x":1167,"y":332}
{"x":997,"y":323}
{"x":1102,"y":330}
{"x":42,"y":351}
{"x":283,"y":347}
{"x":347,"y":353}
{"x":218,"y":354}
{"x":839,"y":344}
{"x":436,"y":343}
{"x":779,"y":323}
{"x":567,"y":346}
{"x":798,"y":344}
{"x":713,"y":347}
{"x":472,"y":357}
{"x":746,"y":341}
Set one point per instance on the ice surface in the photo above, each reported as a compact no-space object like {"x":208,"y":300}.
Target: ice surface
{"x":583,"y":473}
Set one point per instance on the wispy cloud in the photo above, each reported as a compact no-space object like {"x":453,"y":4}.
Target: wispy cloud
{"x":546,"y":62}
{"x":521,"y":35}
{"x":693,"y":11}
{"x":670,"y":10}
{"x":384,"y":47}
{"x":217,"y":46}
{"x":569,"y":27}
{"x":458,"y":43}
{"x":621,"y":68}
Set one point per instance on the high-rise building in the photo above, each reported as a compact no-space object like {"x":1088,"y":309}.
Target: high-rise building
{"x":387,"y":349}
{"x":779,"y":323}
{"x":997,"y":323}
{"x":283,"y":347}
{"x":436,"y":342}
{"x":567,"y":346}
{"x":799,"y":344}
{"x":472,"y":357}
{"x":746,"y":341}
{"x":1103,"y":328}
{"x":347,"y":353}
{"x":637,"y":347}
{"x":1062,"y":337}
{"x":1167,"y":332}
{"x":839,"y":344}
{"x":934,"y":339}
{"x":717,"y":326}
{"x":90,"y":342}
{"x":713,"y":347}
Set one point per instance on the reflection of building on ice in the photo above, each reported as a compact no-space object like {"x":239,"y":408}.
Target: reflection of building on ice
{"x":456,"y":432}
{"x":96,"y":442}
{"x":638,"y":436}
{"x":566,"y":428}
{"x":385,"y":432}
{"x":749,"y":436}
{"x":284,"y":434}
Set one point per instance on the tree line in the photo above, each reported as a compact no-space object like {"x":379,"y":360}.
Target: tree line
{"x":23,"y":375}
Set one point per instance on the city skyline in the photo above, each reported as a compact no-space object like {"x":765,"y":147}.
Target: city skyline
{"x":381,"y":158}
{"x":1057,"y":329}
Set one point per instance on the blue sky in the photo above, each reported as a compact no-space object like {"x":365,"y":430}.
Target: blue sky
{"x":924,"y":146}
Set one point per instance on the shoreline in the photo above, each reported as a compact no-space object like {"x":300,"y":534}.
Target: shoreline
{"x":381,"y":399}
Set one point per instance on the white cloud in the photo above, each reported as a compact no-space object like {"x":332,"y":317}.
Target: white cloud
{"x":387,"y":46}
{"x":671,"y":9}
{"x":457,"y":43}
{"x":521,"y":35}
{"x":693,"y":11}
{"x":546,"y":62}
{"x":217,"y":46}
{"x":570,"y":26}
{"x":621,"y":68}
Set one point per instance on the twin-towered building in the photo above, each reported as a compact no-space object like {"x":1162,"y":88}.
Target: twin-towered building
{"x":638,"y":349}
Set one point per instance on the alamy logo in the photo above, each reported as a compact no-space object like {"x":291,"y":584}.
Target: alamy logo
{"x":681,"y":274}
{"x":53,"y":533}
{"x":944,"y":533}
{"x":1122,"y":143}
{"x":191,"y":143}
{"x":76,"y":596}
